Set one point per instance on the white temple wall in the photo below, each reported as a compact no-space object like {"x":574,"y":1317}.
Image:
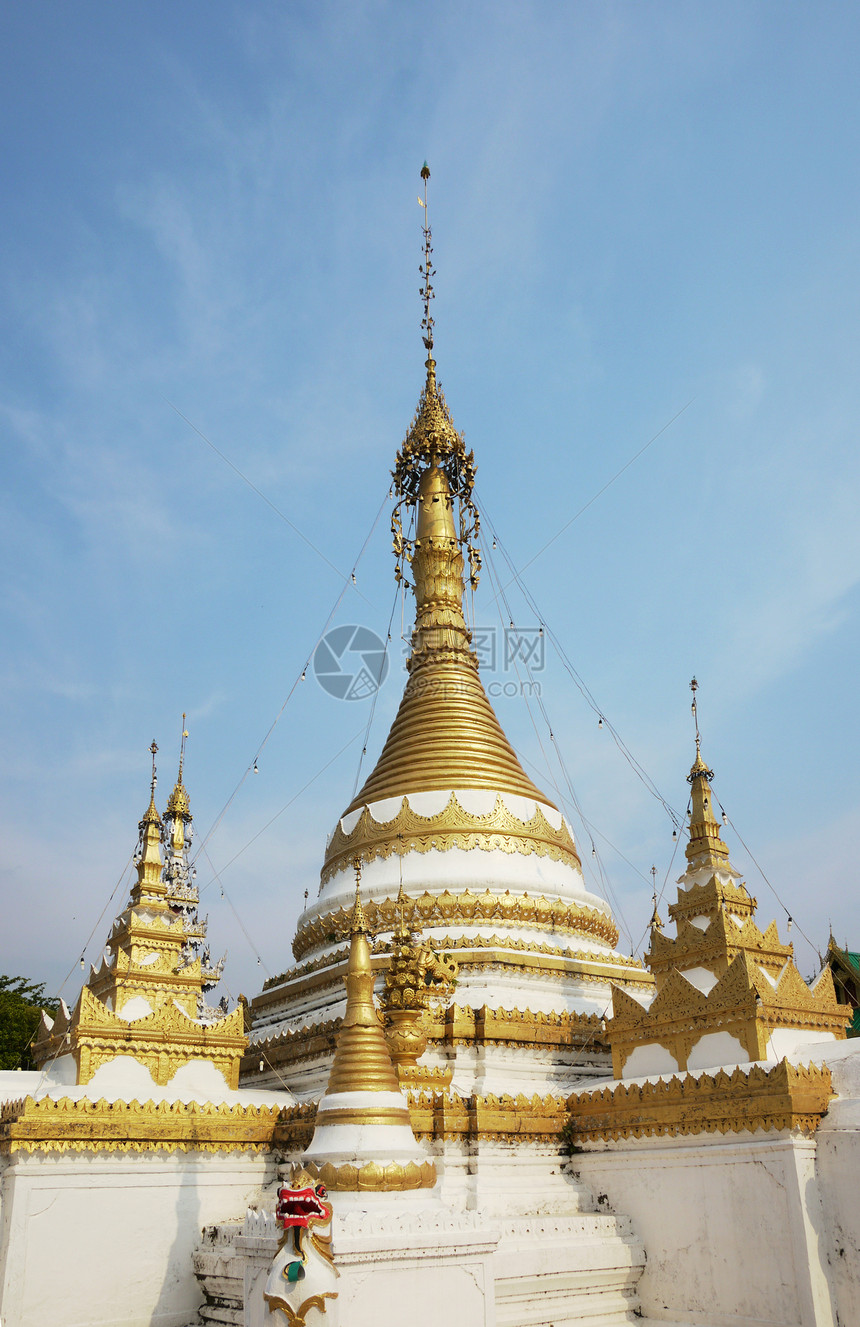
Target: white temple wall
{"x":106,"y":1240}
{"x":733,"y":1227}
{"x":838,"y":1166}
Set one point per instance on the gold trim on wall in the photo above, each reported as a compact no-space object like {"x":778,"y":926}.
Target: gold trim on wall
{"x":66,"y":1125}
{"x":756,"y":1097}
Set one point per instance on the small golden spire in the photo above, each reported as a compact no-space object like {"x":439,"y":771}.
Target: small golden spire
{"x":705,"y":842}
{"x":149,"y":887}
{"x":401,"y":931}
{"x":179,"y":803}
{"x":151,"y":816}
{"x":359,"y":921}
{"x":362,"y":1061}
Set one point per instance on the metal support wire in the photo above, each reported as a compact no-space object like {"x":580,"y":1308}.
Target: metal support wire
{"x":603,"y":876}
{"x":259,"y":751}
{"x":581,"y":686}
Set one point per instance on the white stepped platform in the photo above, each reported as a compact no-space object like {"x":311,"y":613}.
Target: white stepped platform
{"x":552,"y":1271}
{"x":541,"y":1271}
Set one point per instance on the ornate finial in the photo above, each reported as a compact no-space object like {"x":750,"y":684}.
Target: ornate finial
{"x":700,"y":768}
{"x":359,"y":921}
{"x":704,"y":830}
{"x":656,"y":923}
{"x":694,"y":687}
{"x":178,"y":804}
{"x":151,"y":816}
{"x":427,"y":271}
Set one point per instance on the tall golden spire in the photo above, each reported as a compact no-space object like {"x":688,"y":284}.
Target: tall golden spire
{"x":445,"y":735}
{"x":362,"y":1060}
{"x":705,"y":848}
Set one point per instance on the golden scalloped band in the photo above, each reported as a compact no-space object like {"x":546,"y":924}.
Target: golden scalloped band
{"x":499,"y":830}
{"x":393,"y":1178}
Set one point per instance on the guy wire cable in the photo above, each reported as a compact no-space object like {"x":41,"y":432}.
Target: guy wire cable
{"x":376,"y":692}
{"x":301,"y":678}
{"x":260,"y":494}
{"x":637,"y":768}
{"x":602,"y":874}
{"x":284,"y":808}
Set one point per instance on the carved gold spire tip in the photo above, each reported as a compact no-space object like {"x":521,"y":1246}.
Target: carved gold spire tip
{"x":151,"y":816}
{"x":704,"y":828}
{"x":359,"y":921}
{"x":179,"y":803}
{"x":427,"y":272}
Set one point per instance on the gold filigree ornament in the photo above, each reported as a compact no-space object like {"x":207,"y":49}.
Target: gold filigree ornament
{"x":466,"y":909}
{"x":163,"y":1041}
{"x":417,"y":977}
{"x":744,"y":1003}
{"x":452,"y":827}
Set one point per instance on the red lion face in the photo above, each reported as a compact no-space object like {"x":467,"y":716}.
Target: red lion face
{"x":301,"y":1207}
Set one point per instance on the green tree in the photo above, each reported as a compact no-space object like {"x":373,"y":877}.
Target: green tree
{"x":21,"y":1002}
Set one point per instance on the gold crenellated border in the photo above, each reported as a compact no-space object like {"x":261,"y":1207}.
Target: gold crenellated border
{"x":489,"y":1118}
{"x":751,"y":1097}
{"x":464,"y":909}
{"x":442,"y":1114}
{"x":66,"y":1125}
{"x":452,"y":827}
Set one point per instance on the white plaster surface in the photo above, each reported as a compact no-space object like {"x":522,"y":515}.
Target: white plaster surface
{"x":838,"y":1166}
{"x":793,"y":1041}
{"x":715,"y":1049}
{"x":360,"y":1143}
{"x":734,"y":1231}
{"x":107,"y":1240}
{"x":650,"y":1060}
{"x":702,"y":978}
{"x":136,"y":1007}
{"x":126,"y":1079}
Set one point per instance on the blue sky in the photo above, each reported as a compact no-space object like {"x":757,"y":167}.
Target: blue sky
{"x":638,"y":210}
